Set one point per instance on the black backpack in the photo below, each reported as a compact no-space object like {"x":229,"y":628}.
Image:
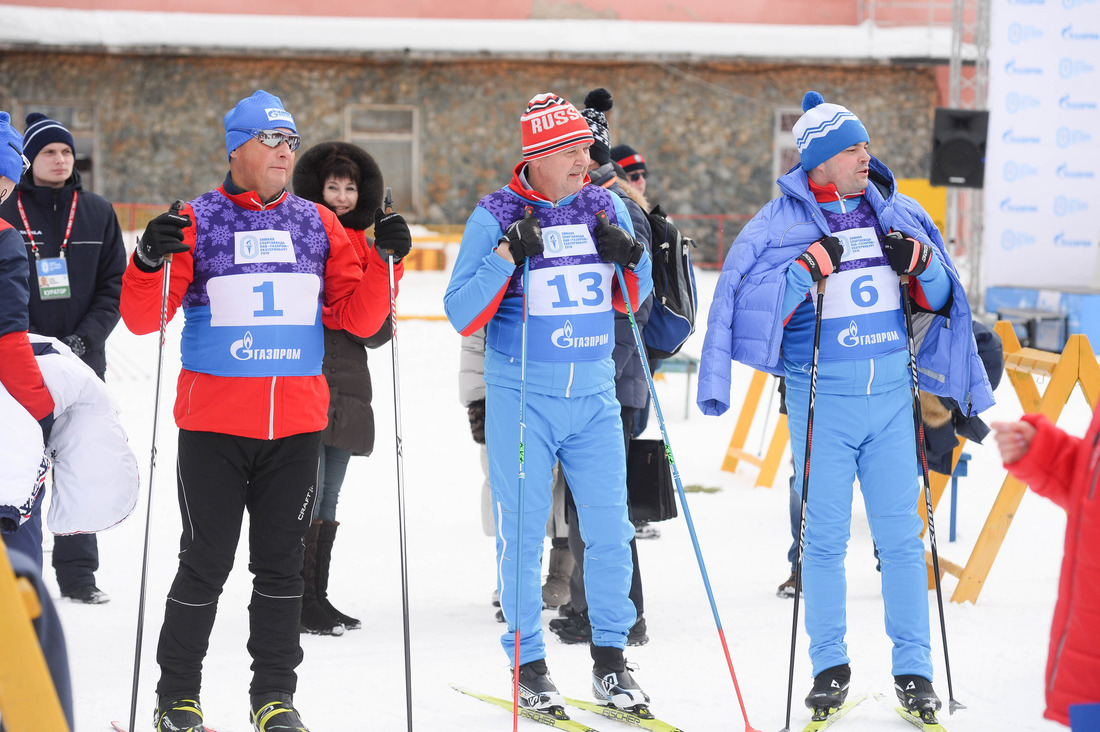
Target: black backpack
{"x":672,"y":319}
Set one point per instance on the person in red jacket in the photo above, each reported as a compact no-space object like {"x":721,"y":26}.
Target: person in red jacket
{"x":1066,"y":470}
{"x":253,"y":268}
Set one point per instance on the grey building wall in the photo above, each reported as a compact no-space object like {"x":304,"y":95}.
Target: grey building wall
{"x":705,"y":129}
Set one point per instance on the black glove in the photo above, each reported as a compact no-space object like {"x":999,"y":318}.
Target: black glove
{"x":77,"y":344}
{"x":615,"y":245}
{"x":391,"y":234}
{"x":907,"y":255}
{"x":476,"y":413}
{"x":524,"y":237}
{"x":163,"y":235}
{"x":822,"y":258}
{"x":46,"y":423}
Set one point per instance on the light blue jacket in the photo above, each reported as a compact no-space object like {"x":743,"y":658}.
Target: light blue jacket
{"x":745,"y":323}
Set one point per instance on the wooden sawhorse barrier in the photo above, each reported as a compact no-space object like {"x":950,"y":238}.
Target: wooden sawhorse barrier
{"x":769,"y":464}
{"x":1076,"y":364}
{"x":28,"y":699}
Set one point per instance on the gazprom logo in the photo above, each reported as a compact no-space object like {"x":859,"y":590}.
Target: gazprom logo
{"x":1021,"y":33}
{"x":242,"y":350}
{"x":1069,"y":68}
{"x":274,"y":114}
{"x":1068,"y":137}
{"x":1014,"y":171}
{"x":1009,"y":207}
{"x":1061,"y":240}
{"x":1012,"y":138}
{"x":563,"y":338}
{"x":1064,"y":171}
{"x":1071,"y":35}
{"x":1015,"y":102}
{"x":1065,"y":206}
{"x":1015,"y":239}
{"x":850,"y":337}
{"x":553,"y":242}
{"x":1067,"y":103}
{"x":1019,"y":70}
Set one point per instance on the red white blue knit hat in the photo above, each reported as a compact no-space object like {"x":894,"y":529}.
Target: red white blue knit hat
{"x":550,"y":124}
{"x":824,"y":130}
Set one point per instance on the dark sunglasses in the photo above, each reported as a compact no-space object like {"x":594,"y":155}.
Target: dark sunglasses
{"x":635,"y":177}
{"x":26,"y":163}
{"x":274,"y":138}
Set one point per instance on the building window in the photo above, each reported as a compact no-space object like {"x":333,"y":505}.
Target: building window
{"x":391,"y":135}
{"x":79,"y":119}
{"x":786,"y":154}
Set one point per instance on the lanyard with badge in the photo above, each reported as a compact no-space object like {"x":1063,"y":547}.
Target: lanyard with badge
{"x":53,"y":272}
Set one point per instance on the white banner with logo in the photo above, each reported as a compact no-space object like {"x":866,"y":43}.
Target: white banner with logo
{"x":1042,"y":175}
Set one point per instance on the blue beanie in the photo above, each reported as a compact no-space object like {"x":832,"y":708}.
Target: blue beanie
{"x":824,"y":130}
{"x":42,"y":131}
{"x":11,"y":161}
{"x":261,"y":111}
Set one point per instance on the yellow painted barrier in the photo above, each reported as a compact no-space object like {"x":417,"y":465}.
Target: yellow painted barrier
{"x":28,"y":699}
{"x":735,"y":453}
{"x":1076,"y":364}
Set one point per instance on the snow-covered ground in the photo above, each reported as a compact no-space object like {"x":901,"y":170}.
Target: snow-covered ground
{"x":357,"y":682}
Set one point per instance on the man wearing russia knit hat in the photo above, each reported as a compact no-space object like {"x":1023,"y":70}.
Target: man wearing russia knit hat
{"x":548,"y":352}
{"x":841,"y":221}
{"x":76,"y":259}
{"x":256,"y":270}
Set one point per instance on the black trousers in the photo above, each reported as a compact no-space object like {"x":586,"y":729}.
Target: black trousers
{"x":219,"y":477}
{"x":75,"y":560}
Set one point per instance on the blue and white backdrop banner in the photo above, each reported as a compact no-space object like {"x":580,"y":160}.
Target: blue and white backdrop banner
{"x":1042,"y":176}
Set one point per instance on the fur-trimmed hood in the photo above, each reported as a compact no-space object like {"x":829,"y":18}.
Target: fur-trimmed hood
{"x":308,"y":184}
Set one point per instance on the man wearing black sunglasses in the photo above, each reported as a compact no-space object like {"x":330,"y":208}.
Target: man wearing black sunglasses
{"x":256,"y":270}
{"x":634,"y":165}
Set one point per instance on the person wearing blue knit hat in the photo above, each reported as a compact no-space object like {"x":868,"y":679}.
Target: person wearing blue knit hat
{"x":841,"y":220}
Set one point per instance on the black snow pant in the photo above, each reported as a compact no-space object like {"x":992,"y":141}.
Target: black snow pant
{"x":218,"y":477}
{"x":75,"y":560}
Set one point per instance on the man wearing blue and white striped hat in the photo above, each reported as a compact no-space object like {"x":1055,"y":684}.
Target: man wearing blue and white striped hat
{"x":837,"y":208}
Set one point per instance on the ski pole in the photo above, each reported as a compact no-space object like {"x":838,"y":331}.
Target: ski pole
{"x":805,"y":494}
{"x":388,"y":205}
{"x":918,"y":420}
{"x":176,"y":207}
{"x":527,"y":212}
{"x":679,"y":485}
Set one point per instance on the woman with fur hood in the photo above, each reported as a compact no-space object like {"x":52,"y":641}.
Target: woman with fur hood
{"x":346,"y":179}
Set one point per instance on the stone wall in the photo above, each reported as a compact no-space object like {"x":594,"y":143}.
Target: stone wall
{"x":705,"y":129}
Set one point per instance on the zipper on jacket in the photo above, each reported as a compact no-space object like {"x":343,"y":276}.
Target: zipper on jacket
{"x":271,"y":411}
{"x":1095,"y":463}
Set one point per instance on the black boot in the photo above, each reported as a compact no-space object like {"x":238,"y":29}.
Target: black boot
{"x":916,"y":694}
{"x":315,"y":619}
{"x":178,"y":715}
{"x":325,"y":540}
{"x":537,"y":690}
{"x":830,"y":689}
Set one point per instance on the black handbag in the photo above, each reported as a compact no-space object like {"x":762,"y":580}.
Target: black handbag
{"x":651,"y":494}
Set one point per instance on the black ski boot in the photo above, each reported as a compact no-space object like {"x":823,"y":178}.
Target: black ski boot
{"x":917,"y":697}
{"x":537,"y":690}
{"x":275,"y":712}
{"x":575,"y":628}
{"x":829,"y":692}
{"x":178,"y":715}
{"x":613,"y":685}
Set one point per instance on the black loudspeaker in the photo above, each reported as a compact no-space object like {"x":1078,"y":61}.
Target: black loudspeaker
{"x":958,"y":147}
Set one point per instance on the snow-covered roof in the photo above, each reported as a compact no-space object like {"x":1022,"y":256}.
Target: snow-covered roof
{"x":130,"y":31}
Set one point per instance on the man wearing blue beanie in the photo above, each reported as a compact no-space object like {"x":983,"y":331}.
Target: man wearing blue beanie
{"x":76,"y":259}
{"x":840,"y":219}
{"x":257,"y":270}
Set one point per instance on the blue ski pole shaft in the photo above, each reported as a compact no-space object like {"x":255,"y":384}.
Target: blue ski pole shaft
{"x":521,"y":481}
{"x":680,"y":491}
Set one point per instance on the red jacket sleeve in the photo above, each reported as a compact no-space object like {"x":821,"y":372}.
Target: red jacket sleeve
{"x":1055,"y":460}
{"x":142,"y":291}
{"x":20,"y":375}
{"x":358,"y":293}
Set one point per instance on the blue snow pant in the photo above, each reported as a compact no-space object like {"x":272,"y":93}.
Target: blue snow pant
{"x":586,"y":435}
{"x":872,"y":438}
